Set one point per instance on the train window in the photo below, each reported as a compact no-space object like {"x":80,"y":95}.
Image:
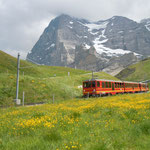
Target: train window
{"x":98,"y":84}
{"x":87,"y":84}
{"x":120,"y":85}
{"x":116,"y":85}
{"x":128,"y":85}
{"x":110,"y":84}
{"x":106,"y":83}
{"x":93,"y":84}
{"x":103,"y":84}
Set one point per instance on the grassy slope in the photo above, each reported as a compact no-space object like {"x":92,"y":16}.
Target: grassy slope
{"x":8,"y":64}
{"x":107,"y":123}
{"x":137,"y":72}
{"x":39,"y":83}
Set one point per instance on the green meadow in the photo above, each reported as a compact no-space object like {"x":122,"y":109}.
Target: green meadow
{"x":119,"y":122}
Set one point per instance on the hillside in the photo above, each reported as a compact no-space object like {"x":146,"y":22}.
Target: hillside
{"x":136,"y":72}
{"x":40,"y":82}
{"x":8,"y":64}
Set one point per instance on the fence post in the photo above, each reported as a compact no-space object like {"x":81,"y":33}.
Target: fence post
{"x":23,"y":99}
{"x":53,"y":98}
{"x":68,"y":73}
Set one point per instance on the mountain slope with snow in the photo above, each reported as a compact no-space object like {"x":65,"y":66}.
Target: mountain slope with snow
{"x":66,"y":39}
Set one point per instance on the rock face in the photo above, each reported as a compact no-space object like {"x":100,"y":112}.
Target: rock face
{"x":108,"y":45}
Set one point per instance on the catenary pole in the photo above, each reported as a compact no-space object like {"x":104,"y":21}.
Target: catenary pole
{"x":17,"y":81}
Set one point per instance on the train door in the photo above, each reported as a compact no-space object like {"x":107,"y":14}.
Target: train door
{"x":113,"y":87}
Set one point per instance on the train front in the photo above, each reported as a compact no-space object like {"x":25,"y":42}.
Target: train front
{"x":89,"y":88}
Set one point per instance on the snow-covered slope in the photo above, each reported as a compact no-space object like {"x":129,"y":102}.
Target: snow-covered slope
{"x":98,"y":29}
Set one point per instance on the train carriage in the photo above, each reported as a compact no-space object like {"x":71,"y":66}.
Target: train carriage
{"x":97,"y":87}
{"x":143,"y":87}
{"x":132,"y":87}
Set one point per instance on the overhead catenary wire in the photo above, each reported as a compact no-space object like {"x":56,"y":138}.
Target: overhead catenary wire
{"x":33,"y":61}
{"x":31,"y":65}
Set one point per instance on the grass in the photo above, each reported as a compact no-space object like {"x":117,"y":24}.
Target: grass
{"x":40,"y":83}
{"x":108,"y":123}
{"x":136,"y":72}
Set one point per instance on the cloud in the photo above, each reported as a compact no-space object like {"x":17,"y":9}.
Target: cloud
{"x":23,"y":21}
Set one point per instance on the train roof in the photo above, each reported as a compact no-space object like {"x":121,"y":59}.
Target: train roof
{"x":112,"y":81}
{"x":102,"y":80}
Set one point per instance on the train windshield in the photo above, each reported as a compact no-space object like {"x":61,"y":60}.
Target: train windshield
{"x":87,"y":84}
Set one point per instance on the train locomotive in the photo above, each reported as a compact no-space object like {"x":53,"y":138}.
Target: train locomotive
{"x":99,"y":87}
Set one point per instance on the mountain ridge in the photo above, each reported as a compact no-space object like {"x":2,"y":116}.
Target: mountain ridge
{"x":67,"y":37}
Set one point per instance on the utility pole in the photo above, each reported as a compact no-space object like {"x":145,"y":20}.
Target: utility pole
{"x":92,"y":75}
{"x":23,"y":99}
{"x":17,"y":81}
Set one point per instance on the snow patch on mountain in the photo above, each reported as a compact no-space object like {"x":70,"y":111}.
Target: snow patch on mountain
{"x":71,"y":22}
{"x":70,"y":27}
{"x":87,"y":46}
{"x":146,"y":22}
{"x":52,"y":45}
{"x":94,"y":26}
{"x":148,"y":26}
{"x":100,"y":49}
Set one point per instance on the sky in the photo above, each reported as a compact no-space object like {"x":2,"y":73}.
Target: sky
{"x":23,"y":21}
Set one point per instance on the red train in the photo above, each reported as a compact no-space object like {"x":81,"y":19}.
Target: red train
{"x":97,"y":87}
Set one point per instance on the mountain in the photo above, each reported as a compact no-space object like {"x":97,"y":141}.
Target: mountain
{"x":101,"y":45}
{"x":146,"y":23}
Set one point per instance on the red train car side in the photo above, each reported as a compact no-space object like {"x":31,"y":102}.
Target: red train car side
{"x":97,"y":87}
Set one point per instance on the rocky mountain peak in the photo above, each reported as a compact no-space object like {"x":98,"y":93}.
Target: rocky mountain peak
{"x":73,"y":42}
